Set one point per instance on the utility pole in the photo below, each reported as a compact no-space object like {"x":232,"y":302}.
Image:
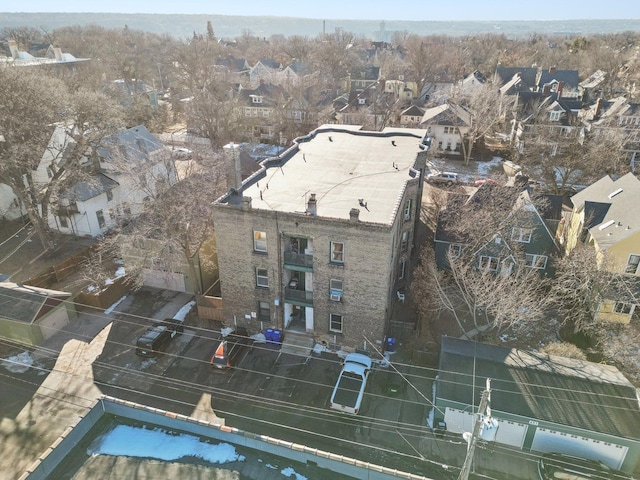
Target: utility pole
{"x":477,"y":427}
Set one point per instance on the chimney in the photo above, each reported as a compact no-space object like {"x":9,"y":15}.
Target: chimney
{"x":354,"y":213}
{"x":312,"y":205}
{"x":246,"y":204}
{"x":596,"y":114}
{"x":58,"y":53}
{"x":552,"y":70}
{"x":234,"y":169}
{"x":13,"y":47}
{"x":559,"y":88}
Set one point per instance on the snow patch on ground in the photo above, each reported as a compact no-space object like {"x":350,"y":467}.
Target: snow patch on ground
{"x":226,"y":331}
{"x":114,"y":306}
{"x":130,"y":441}
{"x":19,"y":363}
{"x":290,"y":472}
{"x":318,"y":348}
{"x":259,"y":338}
{"x":184,"y":310}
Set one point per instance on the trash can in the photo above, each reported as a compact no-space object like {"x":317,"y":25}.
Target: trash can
{"x":277,"y":337}
{"x":391,"y":342}
{"x":268,"y":335}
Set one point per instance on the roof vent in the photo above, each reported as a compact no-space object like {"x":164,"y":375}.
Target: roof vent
{"x":605,"y":225}
{"x":614,"y":193}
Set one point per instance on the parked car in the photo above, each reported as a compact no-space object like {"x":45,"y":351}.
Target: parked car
{"x":349,"y":390}
{"x":557,"y":466}
{"x":228,"y":350}
{"x":155,"y":338}
{"x":448,"y":178}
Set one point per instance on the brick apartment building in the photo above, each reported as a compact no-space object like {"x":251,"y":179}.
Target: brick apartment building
{"x":318,"y":240}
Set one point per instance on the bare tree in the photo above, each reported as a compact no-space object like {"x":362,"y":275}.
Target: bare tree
{"x":171,"y":234}
{"x":33,"y":103}
{"x":476,"y":297}
{"x":583,"y":281}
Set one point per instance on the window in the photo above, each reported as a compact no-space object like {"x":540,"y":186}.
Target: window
{"x":109,"y":195}
{"x":455,"y":249}
{"x":263,"y":311}
{"x":622,"y":307}
{"x":100,"y":217}
{"x":337,"y":252}
{"x":262,"y":277}
{"x":632,"y":264}
{"x":536,"y":261}
{"x":335,"y":323}
{"x":63,"y":222}
{"x":407,"y":210}
{"x":522,"y":235}
{"x":259,"y":241}
{"x":554,"y":116}
{"x":404,"y":243}
{"x":488,"y":263}
{"x":335,"y":290}
{"x":403,"y":267}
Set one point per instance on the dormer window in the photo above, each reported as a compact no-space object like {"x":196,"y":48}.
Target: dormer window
{"x":554,"y":116}
{"x":362,"y":101}
{"x":256,"y":98}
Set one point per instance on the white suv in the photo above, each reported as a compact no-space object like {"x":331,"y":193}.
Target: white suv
{"x":448,"y":178}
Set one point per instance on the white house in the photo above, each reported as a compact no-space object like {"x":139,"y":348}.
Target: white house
{"x":134,"y":167}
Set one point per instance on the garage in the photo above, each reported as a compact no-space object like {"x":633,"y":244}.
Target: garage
{"x":553,"y":441}
{"x":509,"y":433}
{"x":164,"y":280}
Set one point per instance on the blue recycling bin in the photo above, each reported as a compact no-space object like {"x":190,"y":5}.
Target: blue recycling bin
{"x":277,"y":337}
{"x":268,"y":335}
{"x":391,"y":343}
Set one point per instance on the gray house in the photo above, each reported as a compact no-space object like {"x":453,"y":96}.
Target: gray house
{"x":542,"y":403}
{"x":525,"y":235}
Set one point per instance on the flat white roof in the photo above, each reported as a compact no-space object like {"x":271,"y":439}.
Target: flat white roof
{"x":342,"y":164}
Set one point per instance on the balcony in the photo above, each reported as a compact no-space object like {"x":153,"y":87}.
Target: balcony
{"x":298,"y":297}
{"x":298,"y":261}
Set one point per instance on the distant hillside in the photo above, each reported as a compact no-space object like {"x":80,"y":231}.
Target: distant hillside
{"x":183,"y":26}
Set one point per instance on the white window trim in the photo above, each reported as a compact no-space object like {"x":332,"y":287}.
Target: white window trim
{"x":403,"y":267}
{"x":534,"y":261}
{"x":404,"y":241}
{"x":333,"y":251}
{"x":335,"y":330}
{"x":521,"y":234}
{"x":259,"y":241}
{"x":262,"y":278}
{"x":631,"y":264}
{"x":488,"y":259}
{"x":333,"y":285}
{"x":622,"y":306}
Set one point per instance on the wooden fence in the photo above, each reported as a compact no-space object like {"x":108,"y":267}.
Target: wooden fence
{"x":209,"y":307}
{"x":60,"y":271}
{"x":105,"y":297}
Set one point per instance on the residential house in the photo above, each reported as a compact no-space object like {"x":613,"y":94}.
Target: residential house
{"x":133,"y":167}
{"x":541,"y":403}
{"x":236,"y":70}
{"x":54,"y":56}
{"x":32,"y":315}
{"x":447,"y":125}
{"x":361,"y":78}
{"x":437,"y":90}
{"x":411,"y":116}
{"x":524,"y":237}
{"x":605,"y":218}
{"x":372,"y":107}
{"x":469,"y":84}
{"x":319,"y":241}
{"x":590,"y":89}
{"x":266,"y":70}
{"x":620,"y":117}
{"x":262,"y":107}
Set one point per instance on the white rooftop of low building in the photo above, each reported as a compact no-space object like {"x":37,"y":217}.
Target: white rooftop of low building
{"x":345,"y":167}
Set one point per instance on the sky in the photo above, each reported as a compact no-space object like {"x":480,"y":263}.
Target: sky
{"x":352,"y":9}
